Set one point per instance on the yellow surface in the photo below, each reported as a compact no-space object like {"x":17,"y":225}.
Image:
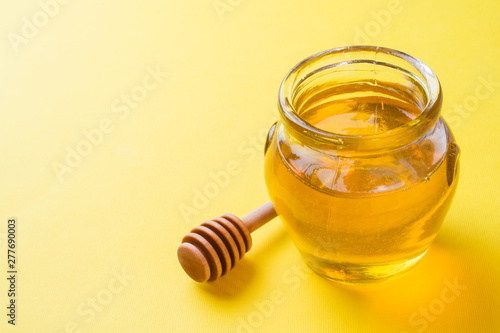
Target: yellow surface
{"x":117,"y":210}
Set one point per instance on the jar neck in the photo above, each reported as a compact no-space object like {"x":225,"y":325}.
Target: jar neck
{"x":340,"y":74}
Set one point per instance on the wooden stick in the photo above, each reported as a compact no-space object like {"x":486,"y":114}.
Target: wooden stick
{"x":213,"y":248}
{"x":260,"y":216}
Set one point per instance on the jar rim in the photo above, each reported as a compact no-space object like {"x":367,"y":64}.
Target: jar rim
{"x":400,"y":135}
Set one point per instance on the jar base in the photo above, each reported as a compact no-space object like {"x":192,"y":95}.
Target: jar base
{"x":359,"y":274}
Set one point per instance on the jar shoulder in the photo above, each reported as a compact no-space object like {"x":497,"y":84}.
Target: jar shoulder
{"x":378,"y":172}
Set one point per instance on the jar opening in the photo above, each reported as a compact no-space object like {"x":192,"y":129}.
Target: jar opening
{"x":360,"y":97}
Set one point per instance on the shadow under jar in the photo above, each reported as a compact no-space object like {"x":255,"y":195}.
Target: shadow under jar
{"x":361,"y":168}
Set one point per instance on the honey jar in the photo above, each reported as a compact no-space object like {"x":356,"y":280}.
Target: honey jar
{"x":361,"y":167}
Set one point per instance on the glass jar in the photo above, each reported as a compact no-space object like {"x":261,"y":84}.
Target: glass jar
{"x":361,"y":168}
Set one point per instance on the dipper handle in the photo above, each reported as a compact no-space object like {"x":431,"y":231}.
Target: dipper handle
{"x":211,"y":249}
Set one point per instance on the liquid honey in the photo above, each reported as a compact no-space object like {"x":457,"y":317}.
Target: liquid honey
{"x":362,"y":216}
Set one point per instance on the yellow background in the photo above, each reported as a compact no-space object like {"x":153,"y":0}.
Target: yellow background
{"x":119,"y":209}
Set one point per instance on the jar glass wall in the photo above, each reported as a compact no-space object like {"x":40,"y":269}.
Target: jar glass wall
{"x":361,"y":167}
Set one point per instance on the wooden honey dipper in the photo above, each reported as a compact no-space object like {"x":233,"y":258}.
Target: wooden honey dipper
{"x":211,"y":249}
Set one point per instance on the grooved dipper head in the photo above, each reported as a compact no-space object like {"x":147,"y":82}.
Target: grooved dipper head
{"x":213,"y":248}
